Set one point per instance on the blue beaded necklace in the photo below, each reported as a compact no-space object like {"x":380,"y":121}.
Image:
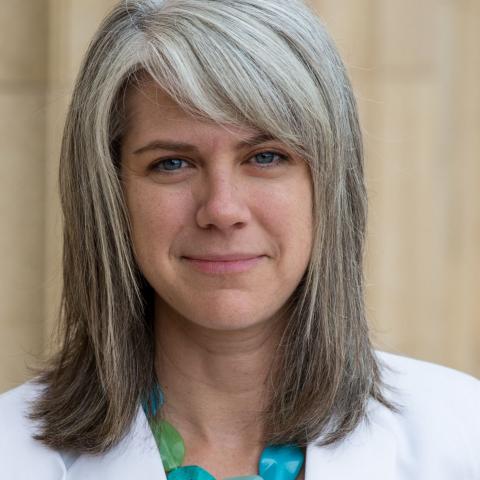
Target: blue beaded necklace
{"x":282,"y":462}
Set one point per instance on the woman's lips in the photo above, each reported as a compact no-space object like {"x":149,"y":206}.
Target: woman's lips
{"x":223,"y":266}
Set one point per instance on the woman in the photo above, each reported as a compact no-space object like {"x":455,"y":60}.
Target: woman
{"x":213,"y":323}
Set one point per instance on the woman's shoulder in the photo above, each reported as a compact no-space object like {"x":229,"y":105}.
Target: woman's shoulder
{"x":439,"y":415}
{"x":429,"y":382}
{"x":21,"y":456}
{"x":14,"y":409}
{"x":435,"y":434}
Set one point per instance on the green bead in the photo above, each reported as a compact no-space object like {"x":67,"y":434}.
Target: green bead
{"x":281,"y":462}
{"x":247,"y":477}
{"x":169,"y":443}
{"x":191,"y":472}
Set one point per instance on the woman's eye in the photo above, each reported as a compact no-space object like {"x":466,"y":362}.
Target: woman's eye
{"x":169,"y":165}
{"x":266,"y":159}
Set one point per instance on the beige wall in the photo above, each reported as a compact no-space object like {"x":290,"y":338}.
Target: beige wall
{"x":415,"y":67}
{"x":23,"y":75}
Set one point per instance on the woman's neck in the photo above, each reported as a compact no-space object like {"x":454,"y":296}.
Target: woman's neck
{"x":214,"y":381}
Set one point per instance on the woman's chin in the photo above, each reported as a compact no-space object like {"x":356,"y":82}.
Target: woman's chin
{"x":228,"y":324}
{"x":222,"y":311}
{"x":228,"y":320}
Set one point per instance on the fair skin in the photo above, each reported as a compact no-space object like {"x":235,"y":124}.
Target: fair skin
{"x":217,"y":320}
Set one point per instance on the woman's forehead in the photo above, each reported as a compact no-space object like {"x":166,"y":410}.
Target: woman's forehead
{"x":149,"y":108}
{"x":148,"y":97}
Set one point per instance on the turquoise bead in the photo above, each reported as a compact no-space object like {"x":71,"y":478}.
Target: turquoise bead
{"x":247,"y":477}
{"x":281,"y":462}
{"x":192,"y":472}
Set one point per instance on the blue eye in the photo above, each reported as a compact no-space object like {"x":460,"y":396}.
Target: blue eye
{"x":170,"y":164}
{"x":268,"y":158}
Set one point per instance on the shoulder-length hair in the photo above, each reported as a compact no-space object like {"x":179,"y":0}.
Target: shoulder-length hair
{"x":269,"y":65}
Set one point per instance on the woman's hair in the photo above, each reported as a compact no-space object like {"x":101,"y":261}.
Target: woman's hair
{"x":269,"y":65}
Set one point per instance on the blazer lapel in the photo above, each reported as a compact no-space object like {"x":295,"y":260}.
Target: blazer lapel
{"x":135,"y":457}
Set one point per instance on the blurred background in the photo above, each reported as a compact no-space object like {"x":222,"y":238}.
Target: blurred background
{"x":415,"y":67}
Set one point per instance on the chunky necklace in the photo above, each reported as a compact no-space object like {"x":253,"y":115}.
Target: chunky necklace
{"x":282,"y":462}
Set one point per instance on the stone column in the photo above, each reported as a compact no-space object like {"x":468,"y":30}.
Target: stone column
{"x":414,"y":67}
{"x":23,"y":74}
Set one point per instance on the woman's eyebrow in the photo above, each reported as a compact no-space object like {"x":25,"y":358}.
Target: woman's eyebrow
{"x":166,"y":144}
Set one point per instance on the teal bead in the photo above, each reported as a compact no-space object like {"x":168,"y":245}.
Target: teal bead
{"x":247,"y":477}
{"x":281,"y":462}
{"x":191,"y":472}
{"x":170,"y":444}
{"x":154,"y":402}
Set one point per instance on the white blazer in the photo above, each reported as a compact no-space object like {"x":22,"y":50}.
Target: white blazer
{"x":436,"y":438}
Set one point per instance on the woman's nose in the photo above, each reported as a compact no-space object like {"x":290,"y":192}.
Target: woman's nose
{"x":222,"y":203}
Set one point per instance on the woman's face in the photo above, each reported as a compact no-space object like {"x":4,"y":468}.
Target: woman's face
{"x":221,"y":220}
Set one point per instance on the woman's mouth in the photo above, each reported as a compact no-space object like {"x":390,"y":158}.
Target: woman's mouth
{"x":219,"y":265}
